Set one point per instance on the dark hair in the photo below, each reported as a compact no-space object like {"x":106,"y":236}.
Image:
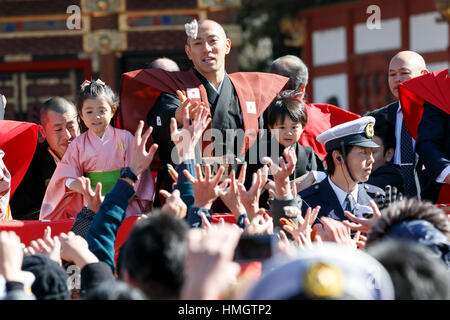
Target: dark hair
{"x":115,"y":290}
{"x":385,"y":130}
{"x":154,"y":255}
{"x":293,"y":68}
{"x":50,"y":278}
{"x":329,"y":158}
{"x":407,"y":210}
{"x":93,"y":90}
{"x":55,"y":104}
{"x":286,"y":105}
{"x":415,"y":272}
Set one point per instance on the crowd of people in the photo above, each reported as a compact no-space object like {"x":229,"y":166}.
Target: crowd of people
{"x":245,"y":204}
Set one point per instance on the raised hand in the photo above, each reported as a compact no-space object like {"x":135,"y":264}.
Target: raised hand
{"x":46,"y":246}
{"x":361,"y":224}
{"x":206,"y":189}
{"x":391,"y":195}
{"x":209,"y":264}
{"x":250,"y":197}
{"x":174,"y":204}
{"x":230,"y":196}
{"x":282,"y":172}
{"x":93,"y":198}
{"x":302,"y":232}
{"x":186,"y":138}
{"x":11,"y":256}
{"x":192,"y":107}
{"x":75,"y":249}
{"x":335,"y":231}
{"x":141,"y":158}
{"x":261,"y":224}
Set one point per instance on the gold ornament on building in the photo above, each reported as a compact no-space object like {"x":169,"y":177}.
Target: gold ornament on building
{"x":295,"y":29}
{"x":102,"y":6}
{"x":443,"y":6}
{"x":105,"y":41}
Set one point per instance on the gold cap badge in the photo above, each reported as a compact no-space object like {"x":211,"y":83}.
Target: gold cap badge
{"x":369,"y":130}
{"x":323,"y":281}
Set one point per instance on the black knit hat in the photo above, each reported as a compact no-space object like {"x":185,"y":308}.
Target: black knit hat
{"x":51,"y":279}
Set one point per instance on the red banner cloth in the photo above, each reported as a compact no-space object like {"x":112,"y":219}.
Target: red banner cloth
{"x":18,"y":140}
{"x":433,"y":87}
{"x":322,"y":117}
{"x":30,"y":230}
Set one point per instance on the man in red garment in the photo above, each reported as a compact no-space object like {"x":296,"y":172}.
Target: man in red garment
{"x":425,"y":104}
{"x":235,"y":101}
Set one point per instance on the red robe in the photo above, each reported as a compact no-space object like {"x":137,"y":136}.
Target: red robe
{"x":433,"y":87}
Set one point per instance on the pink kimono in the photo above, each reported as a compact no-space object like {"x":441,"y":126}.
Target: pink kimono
{"x":87,"y":153}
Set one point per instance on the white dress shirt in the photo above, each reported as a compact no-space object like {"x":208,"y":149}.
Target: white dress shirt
{"x":342,"y":195}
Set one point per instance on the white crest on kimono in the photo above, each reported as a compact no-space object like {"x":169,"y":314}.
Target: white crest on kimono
{"x":193,"y":93}
{"x":251,"y":106}
{"x":191,"y":29}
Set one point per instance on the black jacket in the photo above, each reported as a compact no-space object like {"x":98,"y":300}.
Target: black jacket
{"x":389,"y":174}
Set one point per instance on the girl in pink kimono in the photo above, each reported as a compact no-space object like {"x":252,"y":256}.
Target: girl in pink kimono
{"x":99,"y":153}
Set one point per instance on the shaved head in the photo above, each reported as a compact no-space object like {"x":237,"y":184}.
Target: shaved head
{"x":405,"y":65}
{"x":412,"y":58}
{"x":165,"y":64}
{"x":207,"y":52}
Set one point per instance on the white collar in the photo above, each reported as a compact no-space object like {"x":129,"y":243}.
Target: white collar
{"x":219,"y":89}
{"x":341,"y":194}
{"x":399,"y":110}
{"x":108,"y":128}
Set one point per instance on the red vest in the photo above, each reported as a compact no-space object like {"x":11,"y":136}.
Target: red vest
{"x":140,"y":89}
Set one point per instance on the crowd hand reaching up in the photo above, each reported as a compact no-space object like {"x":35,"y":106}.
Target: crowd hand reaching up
{"x":192,"y":107}
{"x":11,"y":256}
{"x":206,"y":189}
{"x":93,"y":198}
{"x":186,"y":138}
{"x":362,"y":224}
{"x":282,"y":172}
{"x":230,"y":195}
{"x":391,"y":195}
{"x":261,"y":224}
{"x":209,"y":268}
{"x":335,"y":231}
{"x":174,"y":204}
{"x":75,"y":249}
{"x":250,"y":197}
{"x":173,"y":174}
{"x":47,"y":246}
{"x":302,"y":231}
{"x":141,"y":158}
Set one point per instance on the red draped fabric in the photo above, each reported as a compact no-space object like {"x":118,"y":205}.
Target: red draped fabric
{"x":18,"y":140}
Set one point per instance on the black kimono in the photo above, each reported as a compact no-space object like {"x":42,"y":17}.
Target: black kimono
{"x":27,"y":200}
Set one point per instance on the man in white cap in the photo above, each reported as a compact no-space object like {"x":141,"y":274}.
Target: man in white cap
{"x":349,"y":164}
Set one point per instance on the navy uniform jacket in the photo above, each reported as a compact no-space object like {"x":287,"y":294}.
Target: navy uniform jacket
{"x":322,"y":194}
